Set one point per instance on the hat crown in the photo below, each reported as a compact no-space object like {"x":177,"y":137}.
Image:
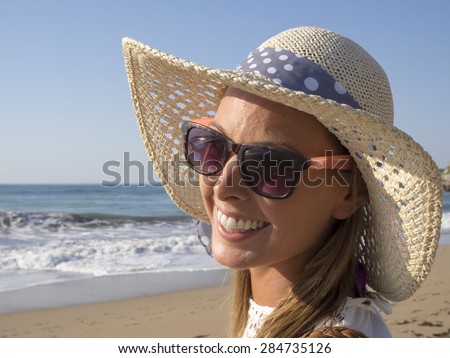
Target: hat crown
{"x":347,"y":62}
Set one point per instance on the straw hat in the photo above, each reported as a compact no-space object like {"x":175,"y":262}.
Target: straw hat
{"x":334,"y":79}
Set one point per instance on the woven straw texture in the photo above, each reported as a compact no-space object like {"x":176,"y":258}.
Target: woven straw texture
{"x":334,"y":332}
{"x":402,"y":220}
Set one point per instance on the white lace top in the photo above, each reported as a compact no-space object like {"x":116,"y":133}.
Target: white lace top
{"x":362,"y":314}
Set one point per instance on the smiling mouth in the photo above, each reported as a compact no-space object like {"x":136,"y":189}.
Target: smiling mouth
{"x":233,"y":225}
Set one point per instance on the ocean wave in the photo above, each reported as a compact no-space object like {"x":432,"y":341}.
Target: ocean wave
{"x":59,"y":242}
{"x":95,"y":244}
{"x":102,"y":256}
{"x":57,"y":221}
{"x":445,"y":225}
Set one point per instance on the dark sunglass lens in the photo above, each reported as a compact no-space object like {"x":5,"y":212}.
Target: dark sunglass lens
{"x":270,"y":172}
{"x":205,"y":151}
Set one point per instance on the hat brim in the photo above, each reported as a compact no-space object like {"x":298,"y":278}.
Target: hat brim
{"x":403,"y":217}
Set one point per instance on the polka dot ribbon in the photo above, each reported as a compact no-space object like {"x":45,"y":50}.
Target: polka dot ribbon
{"x":297,"y":73}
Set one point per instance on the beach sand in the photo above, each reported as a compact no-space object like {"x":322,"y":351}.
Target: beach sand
{"x":427,"y":312}
{"x":203,"y":313}
{"x":196,"y":313}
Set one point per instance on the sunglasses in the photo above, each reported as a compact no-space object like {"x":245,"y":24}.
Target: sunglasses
{"x":269,"y":171}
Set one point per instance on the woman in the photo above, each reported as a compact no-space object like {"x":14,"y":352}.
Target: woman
{"x":303,"y":185}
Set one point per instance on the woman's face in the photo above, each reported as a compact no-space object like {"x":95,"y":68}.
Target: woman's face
{"x":290,"y":230}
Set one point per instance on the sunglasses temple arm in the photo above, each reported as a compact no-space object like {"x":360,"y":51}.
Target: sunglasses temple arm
{"x":335,"y":162}
{"x":203,"y":121}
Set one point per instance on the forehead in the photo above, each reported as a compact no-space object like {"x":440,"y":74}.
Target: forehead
{"x":247,"y":118}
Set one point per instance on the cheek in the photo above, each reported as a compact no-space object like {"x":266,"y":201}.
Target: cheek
{"x":306,"y":215}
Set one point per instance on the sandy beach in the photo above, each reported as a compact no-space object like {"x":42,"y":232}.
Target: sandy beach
{"x":203,"y":313}
{"x":427,"y":312}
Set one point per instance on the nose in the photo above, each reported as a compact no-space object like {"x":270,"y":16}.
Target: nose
{"x":229,"y":184}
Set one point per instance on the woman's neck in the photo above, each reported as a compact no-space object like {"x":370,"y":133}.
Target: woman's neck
{"x":269,"y":285}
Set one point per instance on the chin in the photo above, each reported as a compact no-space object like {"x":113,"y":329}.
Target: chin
{"x":232,"y":258}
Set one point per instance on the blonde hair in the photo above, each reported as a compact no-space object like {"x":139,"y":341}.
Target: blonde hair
{"x":318,"y":293}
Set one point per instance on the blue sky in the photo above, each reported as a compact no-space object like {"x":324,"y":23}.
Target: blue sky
{"x":65,"y":107}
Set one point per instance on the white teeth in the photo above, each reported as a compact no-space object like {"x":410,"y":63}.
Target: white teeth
{"x":232,"y":225}
{"x":223,"y":220}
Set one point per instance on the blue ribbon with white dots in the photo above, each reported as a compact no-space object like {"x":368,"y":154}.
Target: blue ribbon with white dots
{"x":297,"y":73}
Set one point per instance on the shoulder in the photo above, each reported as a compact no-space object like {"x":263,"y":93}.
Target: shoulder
{"x":364,"y":315}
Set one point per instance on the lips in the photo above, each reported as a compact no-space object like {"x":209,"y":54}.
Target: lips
{"x":233,"y":225}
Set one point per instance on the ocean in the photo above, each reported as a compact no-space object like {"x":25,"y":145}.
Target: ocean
{"x":53,"y":233}
{"x":58,"y":233}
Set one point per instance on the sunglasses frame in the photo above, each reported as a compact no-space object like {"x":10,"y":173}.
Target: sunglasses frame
{"x":336,"y":162}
